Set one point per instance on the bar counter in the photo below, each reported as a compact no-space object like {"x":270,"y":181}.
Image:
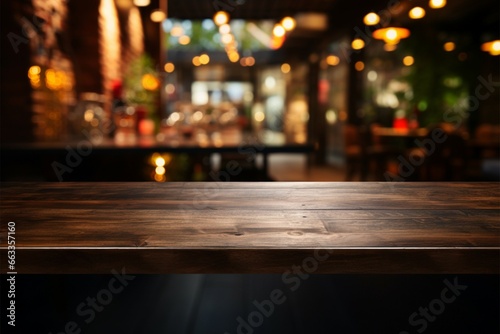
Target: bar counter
{"x":347,"y":228}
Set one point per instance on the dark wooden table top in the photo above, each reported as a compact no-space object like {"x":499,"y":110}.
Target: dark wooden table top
{"x":253,"y":227}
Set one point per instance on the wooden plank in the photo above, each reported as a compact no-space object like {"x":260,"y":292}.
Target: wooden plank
{"x":157,"y":223}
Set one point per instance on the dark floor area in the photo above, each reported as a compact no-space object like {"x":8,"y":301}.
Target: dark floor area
{"x":228,"y":304}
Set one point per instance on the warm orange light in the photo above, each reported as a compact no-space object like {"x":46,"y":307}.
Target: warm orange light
{"x":204,"y":59}
{"x":416,"y":13}
{"x":158,"y":15}
{"x":390,"y":47}
{"x":391,"y":35}
{"x":169,"y":67}
{"x":449,"y":46}
{"x":196,"y":61}
{"x":371,"y":19}
{"x":332,"y":60}
{"x":184,"y":40}
{"x":408,"y":60}
{"x":358,"y":44}
{"x":177,"y":31}
{"x":359,"y":66}
{"x":288,"y":23}
{"x":286,"y":68}
{"x":233,"y":56}
{"x":34,"y":71}
{"x":492,"y":47}
{"x":149,"y":82}
{"x":437,"y":3}
{"x":221,"y":17}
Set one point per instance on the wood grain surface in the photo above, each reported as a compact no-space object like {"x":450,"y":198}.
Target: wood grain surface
{"x":253,"y":227}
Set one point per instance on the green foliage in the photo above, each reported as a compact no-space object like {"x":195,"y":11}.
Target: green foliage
{"x":134,"y":92}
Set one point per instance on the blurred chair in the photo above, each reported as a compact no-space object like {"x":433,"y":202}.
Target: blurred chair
{"x":447,"y":162}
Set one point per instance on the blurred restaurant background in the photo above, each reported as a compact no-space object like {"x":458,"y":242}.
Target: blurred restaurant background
{"x":250,"y":90}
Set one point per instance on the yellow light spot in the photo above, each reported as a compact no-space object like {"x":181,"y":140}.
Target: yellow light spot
{"x":177,"y":31}
{"x":286,"y":68}
{"x":204,"y":59}
{"x":88,"y":115}
{"x":149,"y":82}
{"x":437,"y":3}
{"x":160,"y":170}
{"x":169,"y":67}
{"x":371,"y":19}
{"x":288,"y":23}
{"x":416,"y":13}
{"x":359,"y":66}
{"x":157,"y":16}
{"x":332,"y":60}
{"x":184,"y":40}
{"x":358,"y":44}
{"x":196,"y":61}
{"x":34,"y":71}
{"x":279,"y":31}
{"x":449,"y":46}
{"x":259,"y":116}
{"x":233,"y":57}
{"x":160,"y":162}
{"x":221,"y":17}
{"x":408,"y":60}
{"x":495,"y":48}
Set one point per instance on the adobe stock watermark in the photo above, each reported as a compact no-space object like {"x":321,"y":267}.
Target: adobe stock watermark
{"x":425,"y":315}
{"x":292,"y":279}
{"x":456,"y":117}
{"x":89,"y":308}
{"x":227,"y":5}
{"x":74,"y":156}
{"x":28,"y":30}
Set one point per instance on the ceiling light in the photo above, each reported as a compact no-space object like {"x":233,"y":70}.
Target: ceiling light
{"x":417,"y":13}
{"x":279,"y":31}
{"x":391,"y":35}
{"x":408,"y":60}
{"x":371,"y":19}
{"x":141,"y":3}
{"x":437,"y":3}
{"x":358,"y":44}
{"x":288,"y":23}
{"x":221,"y":17}
{"x":492,"y":47}
{"x":332,"y":60}
{"x":158,"y":16}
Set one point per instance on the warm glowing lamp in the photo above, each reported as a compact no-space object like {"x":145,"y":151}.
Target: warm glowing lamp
{"x":288,"y":23}
{"x":437,"y":3}
{"x":492,"y":47}
{"x":158,"y":15}
{"x":221,"y":17}
{"x":358,"y":44}
{"x":391,"y":35}
{"x":416,"y":13}
{"x":371,"y":19}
